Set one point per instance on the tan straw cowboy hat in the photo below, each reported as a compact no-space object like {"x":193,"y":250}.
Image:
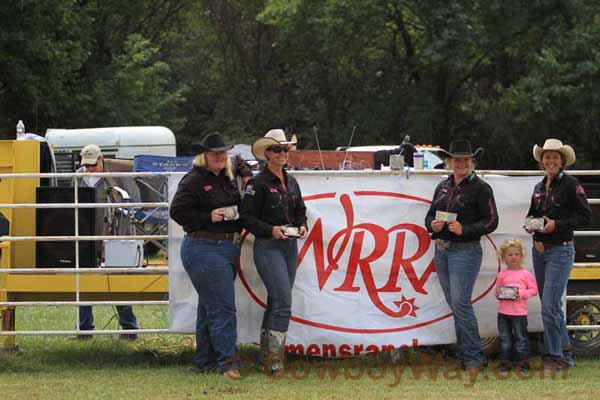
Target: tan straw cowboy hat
{"x":555,"y":145}
{"x":274,"y":137}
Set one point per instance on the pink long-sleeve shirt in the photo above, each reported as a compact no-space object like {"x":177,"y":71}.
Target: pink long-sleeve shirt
{"x":527,"y":289}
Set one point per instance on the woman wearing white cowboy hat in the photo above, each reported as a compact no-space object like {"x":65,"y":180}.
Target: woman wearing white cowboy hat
{"x":273,"y":203}
{"x":458,"y":250}
{"x":560,"y":200}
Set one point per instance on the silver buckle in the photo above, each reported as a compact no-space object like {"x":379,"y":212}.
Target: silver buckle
{"x":442,"y":244}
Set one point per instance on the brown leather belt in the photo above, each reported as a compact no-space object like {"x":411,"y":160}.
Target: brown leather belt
{"x":212,"y":235}
{"x":541,"y":247}
{"x":551,"y":245}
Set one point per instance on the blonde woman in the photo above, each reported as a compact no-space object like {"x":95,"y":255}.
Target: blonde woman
{"x":203,"y":206}
{"x":458,"y":253}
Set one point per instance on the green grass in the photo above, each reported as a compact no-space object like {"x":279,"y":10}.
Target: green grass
{"x":158,"y":367}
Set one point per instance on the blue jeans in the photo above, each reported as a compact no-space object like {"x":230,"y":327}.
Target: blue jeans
{"x":552,"y":269}
{"x":513,"y":336}
{"x":211,"y":266}
{"x":275,"y":262}
{"x":457,"y":267}
{"x":127,"y":318}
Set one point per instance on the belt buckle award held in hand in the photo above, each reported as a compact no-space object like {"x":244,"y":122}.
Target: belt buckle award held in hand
{"x":442,"y":244}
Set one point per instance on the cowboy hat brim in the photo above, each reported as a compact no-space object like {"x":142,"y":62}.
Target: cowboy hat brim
{"x":565,"y":150}
{"x":261,"y":145}
{"x":477,"y":153}
{"x":198,"y":148}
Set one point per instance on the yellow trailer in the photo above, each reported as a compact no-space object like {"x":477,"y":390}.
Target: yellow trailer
{"x":23,"y":157}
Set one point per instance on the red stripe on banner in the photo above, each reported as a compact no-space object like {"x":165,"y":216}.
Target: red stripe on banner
{"x":499,"y":268}
{"x":391,"y":194}
{"x":319,"y":196}
{"x":243,"y":278}
{"x":359,"y":330}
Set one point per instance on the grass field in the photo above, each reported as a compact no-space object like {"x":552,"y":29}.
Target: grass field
{"x":158,"y":367}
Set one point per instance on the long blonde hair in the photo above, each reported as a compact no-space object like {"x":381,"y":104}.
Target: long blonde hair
{"x":200,"y":161}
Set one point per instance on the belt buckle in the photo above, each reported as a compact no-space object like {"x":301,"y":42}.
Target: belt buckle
{"x":539,"y":246}
{"x":442,"y":244}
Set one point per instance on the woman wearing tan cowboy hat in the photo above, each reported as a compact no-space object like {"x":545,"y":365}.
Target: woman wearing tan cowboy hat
{"x":204,"y":205}
{"x":462,"y":210}
{"x":560,"y":200}
{"x":273,"y":203}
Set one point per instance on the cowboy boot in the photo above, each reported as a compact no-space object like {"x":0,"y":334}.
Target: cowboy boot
{"x":275,"y":358}
{"x":264,"y":349}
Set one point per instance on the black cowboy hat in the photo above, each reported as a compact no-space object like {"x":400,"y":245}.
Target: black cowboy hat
{"x":461,"y":148}
{"x":211,"y":142}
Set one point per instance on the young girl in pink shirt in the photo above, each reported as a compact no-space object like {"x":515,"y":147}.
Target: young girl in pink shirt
{"x":514,"y":286}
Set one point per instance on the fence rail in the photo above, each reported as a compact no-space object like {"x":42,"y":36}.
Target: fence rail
{"x":87,"y":271}
{"x":77,"y":271}
{"x":79,"y":332}
{"x":164,"y":270}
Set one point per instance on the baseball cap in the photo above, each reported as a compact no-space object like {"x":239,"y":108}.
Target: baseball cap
{"x":90,"y":154}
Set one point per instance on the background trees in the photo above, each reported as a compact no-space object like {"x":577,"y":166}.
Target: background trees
{"x":505,"y":74}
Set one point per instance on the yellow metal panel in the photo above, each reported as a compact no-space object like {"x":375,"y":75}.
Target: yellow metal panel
{"x":585,"y":274}
{"x":89,"y":284}
{"x":5,"y":246}
{"x":20,"y":157}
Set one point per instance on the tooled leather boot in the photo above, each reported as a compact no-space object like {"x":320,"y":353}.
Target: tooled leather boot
{"x":264,"y":349}
{"x":274,"y":363}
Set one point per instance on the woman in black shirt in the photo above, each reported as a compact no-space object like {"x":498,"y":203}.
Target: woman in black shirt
{"x":272,"y":203}
{"x":458,"y":254}
{"x":205,"y":205}
{"x":560,"y":200}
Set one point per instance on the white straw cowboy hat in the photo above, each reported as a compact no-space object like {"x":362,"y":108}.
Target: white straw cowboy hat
{"x":274,"y":137}
{"x":555,"y":145}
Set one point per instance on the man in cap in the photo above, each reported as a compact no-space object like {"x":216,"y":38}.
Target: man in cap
{"x":92,"y":160}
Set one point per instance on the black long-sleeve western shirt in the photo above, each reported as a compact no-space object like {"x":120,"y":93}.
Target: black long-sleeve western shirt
{"x":473,"y":202}
{"x":199,"y":192}
{"x":565,"y":203}
{"x":268,"y":203}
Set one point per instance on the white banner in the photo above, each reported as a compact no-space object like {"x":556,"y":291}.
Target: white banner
{"x":366,"y":280}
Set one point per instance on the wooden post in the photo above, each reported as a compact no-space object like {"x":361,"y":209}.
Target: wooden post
{"x":8,"y":325}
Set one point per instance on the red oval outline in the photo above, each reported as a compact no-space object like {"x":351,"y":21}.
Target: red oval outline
{"x":360,"y":330}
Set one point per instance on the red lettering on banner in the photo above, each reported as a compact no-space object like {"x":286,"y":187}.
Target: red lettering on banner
{"x":354,"y":235}
{"x":315,"y":239}
{"x":358,"y":348}
{"x":372,"y":349}
{"x":328,"y":350}
{"x":295,"y":349}
{"x":345,"y":350}
{"x":313,"y":350}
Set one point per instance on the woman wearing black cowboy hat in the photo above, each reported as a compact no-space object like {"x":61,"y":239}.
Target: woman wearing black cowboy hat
{"x":470,"y":202}
{"x":205,"y":205}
